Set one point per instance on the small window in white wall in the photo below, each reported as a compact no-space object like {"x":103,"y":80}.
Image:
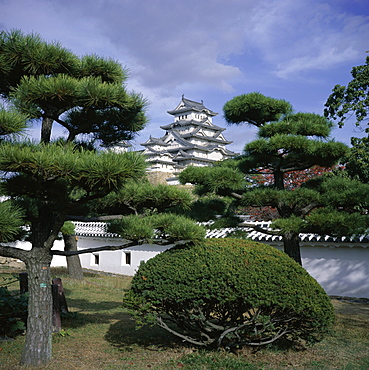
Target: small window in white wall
{"x":126,"y":258}
{"x":95,"y":259}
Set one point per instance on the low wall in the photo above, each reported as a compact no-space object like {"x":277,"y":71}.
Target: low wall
{"x":123,"y":262}
{"x":342,"y":270}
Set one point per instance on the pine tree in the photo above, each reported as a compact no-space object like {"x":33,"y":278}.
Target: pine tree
{"x":85,"y":96}
{"x":52,"y":180}
{"x":287,"y":143}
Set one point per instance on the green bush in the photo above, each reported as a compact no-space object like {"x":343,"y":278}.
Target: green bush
{"x":230,"y":292}
{"x":13,"y":312}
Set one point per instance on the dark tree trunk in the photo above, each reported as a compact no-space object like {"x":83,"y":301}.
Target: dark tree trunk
{"x":73,"y":262}
{"x":47,"y":124}
{"x":37,"y":349}
{"x":291,"y":243}
{"x":278,"y":179}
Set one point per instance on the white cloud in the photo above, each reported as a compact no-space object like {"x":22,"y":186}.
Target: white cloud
{"x":299,"y":36}
{"x":211,"y":50}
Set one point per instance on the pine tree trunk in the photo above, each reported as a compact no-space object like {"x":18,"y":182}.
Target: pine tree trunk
{"x":279,"y":180}
{"x":38,"y":347}
{"x":47,"y":124}
{"x":291,"y":243}
{"x":73,"y":262}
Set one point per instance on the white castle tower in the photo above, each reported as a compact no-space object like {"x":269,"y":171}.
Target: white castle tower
{"x":191,"y":140}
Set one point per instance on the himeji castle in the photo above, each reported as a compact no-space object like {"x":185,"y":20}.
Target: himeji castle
{"x":191,"y":140}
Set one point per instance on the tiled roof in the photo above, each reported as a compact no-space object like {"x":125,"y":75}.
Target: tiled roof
{"x":99,"y":229}
{"x":93,"y":229}
{"x":193,"y":122}
{"x":307,"y":238}
{"x":186,"y":104}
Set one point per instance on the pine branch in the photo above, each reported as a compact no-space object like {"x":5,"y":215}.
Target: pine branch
{"x":235,"y":195}
{"x":93,"y":219}
{"x":162,"y":324}
{"x":306,"y":210}
{"x":127,"y":244}
{"x":12,"y":252}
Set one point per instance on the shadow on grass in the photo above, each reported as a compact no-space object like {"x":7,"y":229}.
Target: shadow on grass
{"x":83,"y":312}
{"x":81,"y":304}
{"x":124,"y":334}
{"x":78,"y":320}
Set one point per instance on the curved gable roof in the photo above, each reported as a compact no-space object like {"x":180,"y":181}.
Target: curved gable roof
{"x":187,"y":105}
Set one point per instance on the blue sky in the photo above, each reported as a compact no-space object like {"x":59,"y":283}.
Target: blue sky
{"x":211,"y":50}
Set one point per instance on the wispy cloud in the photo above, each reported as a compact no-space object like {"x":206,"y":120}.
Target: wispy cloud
{"x":211,"y":50}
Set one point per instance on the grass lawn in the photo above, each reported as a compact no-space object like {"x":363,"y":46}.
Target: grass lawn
{"x":100,"y":335}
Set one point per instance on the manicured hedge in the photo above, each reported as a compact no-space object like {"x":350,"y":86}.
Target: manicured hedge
{"x":227,"y":292}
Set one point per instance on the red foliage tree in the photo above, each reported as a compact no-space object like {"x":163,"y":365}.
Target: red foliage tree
{"x":292,"y":180}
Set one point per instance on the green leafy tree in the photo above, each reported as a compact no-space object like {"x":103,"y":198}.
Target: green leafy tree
{"x":350,"y":100}
{"x":142,"y":198}
{"x":293,"y":142}
{"x":86,"y":96}
{"x":357,"y":161}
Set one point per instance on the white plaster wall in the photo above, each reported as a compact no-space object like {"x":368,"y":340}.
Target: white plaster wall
{"x":114,"y":261}
{"x":216,"y":155}
{"x":341,"y":271}
{"x":210,"y":133}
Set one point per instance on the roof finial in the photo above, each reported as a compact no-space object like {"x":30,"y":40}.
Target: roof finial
{"x":182,"y":96}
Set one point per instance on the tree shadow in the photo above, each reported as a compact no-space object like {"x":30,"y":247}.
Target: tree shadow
{"x":85,"y":312}
{"x":86,"y":305}
{"x":124,"y":334}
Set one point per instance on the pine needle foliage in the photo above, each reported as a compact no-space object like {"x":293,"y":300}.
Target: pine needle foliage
{"x":255,"y":108}
{"x":11,"y":221}
{"x":79,"y":168}
{"x":168,"y":226}
{"x":11,"y":122}
{"x":48,"y":82}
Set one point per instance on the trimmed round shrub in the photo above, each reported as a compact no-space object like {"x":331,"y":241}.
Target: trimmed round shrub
{"x":230,"y":292}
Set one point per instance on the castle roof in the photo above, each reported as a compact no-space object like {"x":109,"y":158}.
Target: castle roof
{"x":182,"y":123}
{"x":187,"y":105}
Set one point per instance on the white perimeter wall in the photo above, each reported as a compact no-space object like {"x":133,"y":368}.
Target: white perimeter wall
{"x":115,"y":261}
{"x":342,"y":271}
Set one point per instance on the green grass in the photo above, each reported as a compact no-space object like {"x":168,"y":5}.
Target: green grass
{"x":98,"y":334}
